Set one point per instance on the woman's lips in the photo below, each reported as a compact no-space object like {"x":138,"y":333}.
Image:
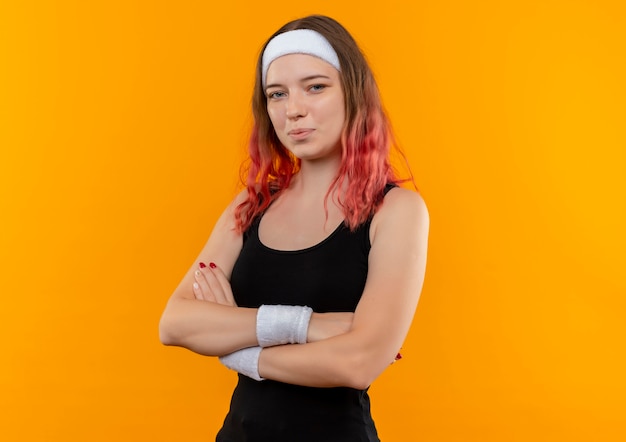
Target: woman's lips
{"x":299,"y":134}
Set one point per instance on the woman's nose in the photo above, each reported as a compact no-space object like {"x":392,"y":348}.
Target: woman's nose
{"x":295,"y":107}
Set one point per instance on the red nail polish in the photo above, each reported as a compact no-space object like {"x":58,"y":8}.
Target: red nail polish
{"x":398,"y":357}
{"x":212,"y":265}
{"x":202,"y":265}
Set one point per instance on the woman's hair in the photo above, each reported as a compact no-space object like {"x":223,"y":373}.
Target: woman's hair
{"x":366,"y":136}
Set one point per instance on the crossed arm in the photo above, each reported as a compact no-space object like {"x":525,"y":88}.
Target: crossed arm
{"x":342,"y":349}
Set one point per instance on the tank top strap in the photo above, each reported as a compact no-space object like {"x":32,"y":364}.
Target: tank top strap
{"x":388,"y":187}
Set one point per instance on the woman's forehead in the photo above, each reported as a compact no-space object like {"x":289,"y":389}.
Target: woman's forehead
{"x":296,"y":67}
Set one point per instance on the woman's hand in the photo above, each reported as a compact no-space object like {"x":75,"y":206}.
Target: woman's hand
{"x":211,"y":284}
{"x":327,"y":325}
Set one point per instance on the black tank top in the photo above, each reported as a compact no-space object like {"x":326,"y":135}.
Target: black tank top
{"x":328,"y":277}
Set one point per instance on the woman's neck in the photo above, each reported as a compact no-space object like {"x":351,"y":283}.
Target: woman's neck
{"x":316,"y":177}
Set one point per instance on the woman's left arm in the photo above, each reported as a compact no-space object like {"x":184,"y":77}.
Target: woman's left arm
{"x":397,"y":263}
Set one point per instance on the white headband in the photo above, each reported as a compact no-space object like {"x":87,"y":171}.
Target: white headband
{"x":300,"y":41}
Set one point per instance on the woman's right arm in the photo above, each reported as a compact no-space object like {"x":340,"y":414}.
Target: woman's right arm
{"x":210,"y":328}
{"x":208,"y":322}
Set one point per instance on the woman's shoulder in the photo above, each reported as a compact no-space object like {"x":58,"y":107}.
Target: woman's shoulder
{"x":398,"y":199}
{"x":244,"y":195}
{"x":402,"y":209}
{"x":239,"y":198}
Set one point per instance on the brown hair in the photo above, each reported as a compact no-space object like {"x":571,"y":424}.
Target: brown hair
{"x":366,"y":137}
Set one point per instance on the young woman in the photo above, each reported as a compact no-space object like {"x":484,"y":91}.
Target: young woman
{"x":315,"y":269}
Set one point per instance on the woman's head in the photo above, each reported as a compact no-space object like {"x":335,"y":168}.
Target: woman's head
{"x":366,"y":135}
{"x":360,"y":90}
{"x":305,"y":103}
{"x":356,"y":75}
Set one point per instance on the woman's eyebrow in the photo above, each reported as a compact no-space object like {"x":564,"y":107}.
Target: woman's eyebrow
{"x":313,"y":77}
{"x":302,"y":80}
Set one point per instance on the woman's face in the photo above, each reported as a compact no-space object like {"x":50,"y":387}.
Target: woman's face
{"x":305,"y":103}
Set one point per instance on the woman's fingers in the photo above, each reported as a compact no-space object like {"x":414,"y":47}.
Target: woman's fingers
{"x":224,"y":284}
{"x":197,"y":292}
{"x":213,"y":285}
{"x":201,"y":287}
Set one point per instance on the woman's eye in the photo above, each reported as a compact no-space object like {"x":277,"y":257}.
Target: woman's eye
{"x":317,"y":87}
{"x":275,"y":95}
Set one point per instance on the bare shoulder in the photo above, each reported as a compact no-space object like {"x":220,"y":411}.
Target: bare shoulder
{"x":399,"y":198}
{"x":227,"y":219}
{"x":402,"y":211}
{"x":239,"y":198}
{"x":243,"y":196}
{"x":400,"y":203}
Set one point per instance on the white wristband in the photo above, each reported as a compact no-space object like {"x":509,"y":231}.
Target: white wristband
{"x":282,"y":324}
{"x":244,"y":361}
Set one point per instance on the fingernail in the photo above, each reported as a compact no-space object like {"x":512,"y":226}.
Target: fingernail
{"x":398,"y":357}
{"x":212,"y":265}
{"x":196,"y":286}
{"x":202,"y":265}
{"x":198,"y":273}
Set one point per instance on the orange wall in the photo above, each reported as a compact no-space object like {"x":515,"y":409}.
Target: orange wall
{"x":122,"y":125}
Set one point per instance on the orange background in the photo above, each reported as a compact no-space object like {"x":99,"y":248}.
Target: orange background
{"x":122,"y":126}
